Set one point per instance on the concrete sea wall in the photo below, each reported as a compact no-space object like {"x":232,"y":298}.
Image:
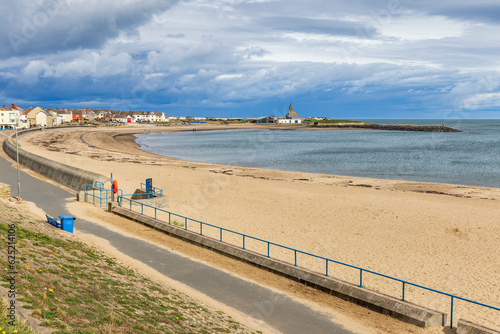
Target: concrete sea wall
{"x":71,"y":177}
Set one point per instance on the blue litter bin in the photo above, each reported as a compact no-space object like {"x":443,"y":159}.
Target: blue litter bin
{"x":67,"y":223}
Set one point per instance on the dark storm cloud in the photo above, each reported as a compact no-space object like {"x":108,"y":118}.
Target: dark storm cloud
{"x":423,"y":54}
{"x":58,"y":25}
{"x":487,"y":13}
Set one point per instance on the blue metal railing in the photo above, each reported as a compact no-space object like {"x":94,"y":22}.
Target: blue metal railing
{"x":296,"y":251}
{"x":97,"y":192}
{"x":155,"y":192}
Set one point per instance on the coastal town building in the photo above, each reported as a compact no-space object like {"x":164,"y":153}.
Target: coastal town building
{"x":120,"y":118}
{"x":77,"y":116}
{"x":31,"y":116}
{"x":88,"y":115}
{"x":44,"y":118}
{"x":291,"y":118}
{"x":10,"y":117}
{"x":266,"y":120}
{"x":65,"y":116}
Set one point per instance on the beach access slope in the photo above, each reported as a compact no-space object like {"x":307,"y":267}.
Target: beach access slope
{"x":441,"y":236}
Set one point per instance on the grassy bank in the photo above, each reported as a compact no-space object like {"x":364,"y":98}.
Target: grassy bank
{"x":73,"y":288}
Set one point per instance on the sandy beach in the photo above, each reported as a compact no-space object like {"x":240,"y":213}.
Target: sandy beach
{"x":446,"y":237}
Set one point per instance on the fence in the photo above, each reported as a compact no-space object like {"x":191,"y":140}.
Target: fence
{"x":98,"y":193}
{"x":267,"y":251}
{"x":154,"y":193}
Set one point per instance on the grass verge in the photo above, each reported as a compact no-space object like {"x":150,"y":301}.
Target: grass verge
{"x":74,"y":288}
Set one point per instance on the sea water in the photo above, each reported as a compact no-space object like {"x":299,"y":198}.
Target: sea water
{"x":471,"y":157}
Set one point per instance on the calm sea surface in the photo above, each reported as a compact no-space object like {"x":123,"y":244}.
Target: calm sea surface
{"x":471,"y":157}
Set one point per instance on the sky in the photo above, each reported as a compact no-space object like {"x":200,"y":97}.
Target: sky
{"x":356,"y":59}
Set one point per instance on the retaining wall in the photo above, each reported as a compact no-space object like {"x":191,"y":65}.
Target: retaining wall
{"x":71,"y":177}
{"x":467,"y":327}
{"x":379,"y":302}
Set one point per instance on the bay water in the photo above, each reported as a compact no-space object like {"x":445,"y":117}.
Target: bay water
{"x":471,"y":157}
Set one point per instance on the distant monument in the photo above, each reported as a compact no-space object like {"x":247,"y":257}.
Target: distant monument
{"x":291,"y":112}
{"x":293,"y":116}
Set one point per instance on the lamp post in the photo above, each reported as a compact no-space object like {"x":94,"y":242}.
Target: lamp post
{"x":19,"y":200}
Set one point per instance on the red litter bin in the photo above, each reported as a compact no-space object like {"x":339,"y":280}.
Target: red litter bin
{"x":67,"y":223}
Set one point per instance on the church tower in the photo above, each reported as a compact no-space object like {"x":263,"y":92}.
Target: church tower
{"x":290,"y":110}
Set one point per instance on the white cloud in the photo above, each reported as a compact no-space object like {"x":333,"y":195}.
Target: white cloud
{"x":228,"y":77}
{"x":482,"y":101}
{"x":420,"y":27}
{"x":91,"y":63}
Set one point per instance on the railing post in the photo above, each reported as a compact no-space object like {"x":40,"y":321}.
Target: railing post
{"x":326,"y":273}
{"x":185,"y":223}
{"x":155,"y":212}
{"x":201,"y":228}
{"x":142,"y":208}
{"x":403,"y":291}
{"x":130,"y":201}
{"x":295,"y":251}
{"x":268,"y":249}
{"x":451,"y":313}
{"x":243,"y":241}
{"x":169,"y":222}
{"x":360,"y":278}
{"x":221,"y":235}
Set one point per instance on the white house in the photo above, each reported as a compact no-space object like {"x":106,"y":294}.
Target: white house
{"x":65,"y":116}
{"x":31,"y":115}
{"x":289,"y":121}
{"x":160,"y":117}
{"x":44,"y":118}
{"x":9,"y":117}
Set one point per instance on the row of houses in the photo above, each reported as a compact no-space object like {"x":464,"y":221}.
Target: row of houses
{"x":14,"y":116}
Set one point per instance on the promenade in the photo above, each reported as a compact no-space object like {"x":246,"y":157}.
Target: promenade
{"x":274,"y":312}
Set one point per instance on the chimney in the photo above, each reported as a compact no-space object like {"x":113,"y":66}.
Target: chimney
{"x":13,"y":105}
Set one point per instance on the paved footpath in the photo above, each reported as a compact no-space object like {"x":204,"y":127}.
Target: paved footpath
{"x":276,"y":310}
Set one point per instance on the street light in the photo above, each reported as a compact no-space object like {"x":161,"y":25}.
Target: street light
{"x":19,"y":199}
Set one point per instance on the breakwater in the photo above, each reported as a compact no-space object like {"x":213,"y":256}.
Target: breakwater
{"x":387,"y":127}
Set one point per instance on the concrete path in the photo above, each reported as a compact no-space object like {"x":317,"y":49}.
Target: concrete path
{"x":277,"y":310}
